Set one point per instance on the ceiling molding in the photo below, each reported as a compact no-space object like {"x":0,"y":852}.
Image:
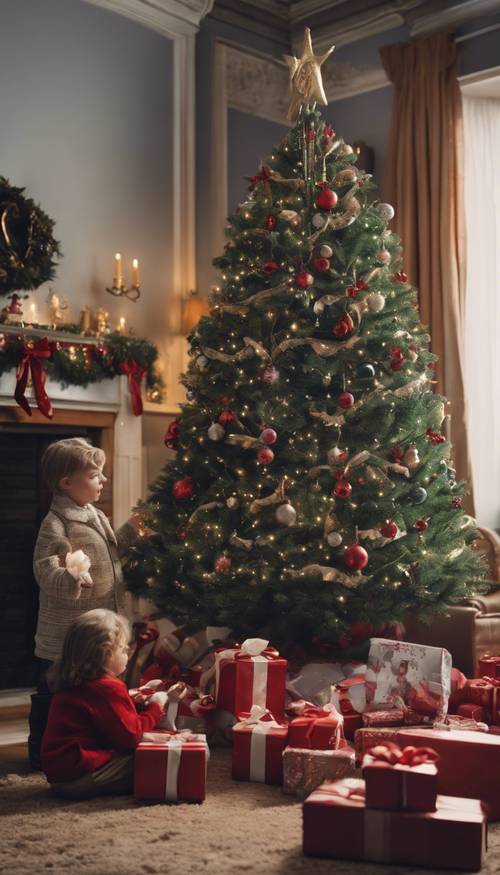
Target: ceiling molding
{"x":429,"y":19}
{"x":258,"y":84}
{"x":171,"y":18}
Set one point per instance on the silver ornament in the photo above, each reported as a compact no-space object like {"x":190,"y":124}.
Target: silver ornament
{"x":376,"y":302}
{"x":384,"y":256}
{"x":335,"y":455}
{"x":233,"y":502}
{"x":326,"y":380}
{"x":334,"y":539}
{"x":318,"y":308}
{"x":386,"y":211}
{"x":326,"y":251}
{"x":216,"y":432}
{"x":286,"y":514}
{"x":319,"y":220}
{"x":202,"y":362}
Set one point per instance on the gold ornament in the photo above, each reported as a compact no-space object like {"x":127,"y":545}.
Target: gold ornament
{"x":306,"y":85}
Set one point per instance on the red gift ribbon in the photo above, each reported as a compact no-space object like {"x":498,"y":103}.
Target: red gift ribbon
{"x":411,"y":756}
{"x":33,"y":353}
{"x":134,"y":373}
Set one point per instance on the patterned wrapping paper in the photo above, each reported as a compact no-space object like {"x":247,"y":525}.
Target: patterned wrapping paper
{"x":304,"y":770}
{"x":366,"y":738}
{"x":404,"y":675}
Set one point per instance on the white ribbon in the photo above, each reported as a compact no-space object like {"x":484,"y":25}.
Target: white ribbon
{"x":173,"y":764}
{"x":259,"y":728}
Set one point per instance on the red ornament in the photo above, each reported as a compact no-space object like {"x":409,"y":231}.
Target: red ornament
{"x":225,"y":400}
{"x":183,"y":489}
{"x":270,"y":267}
{"x":397,"y":358}
{"x":182,"y":533}
{"x":268,"y":436}
{"x":265,"y":456}
{"x":172,"y":434}
{"x":356,"y":557}
{"x":421,"y":525}
{"x":343,"y":327}
{"x":345,"y":400}
{"x":397,"y":454}
{"x":226,"y":417}
{"x":389,"y":530}
{"x":270,"y":222}
{"x":342,"y":489}
{"x":321,"y":264}
{"x":222,"y":565}
{"x":304,"y":279}
{"x":456,"y":502}
{"x":401,"y":277}
{"x":361,"y":481}
{"x":360,"y":286}
{"x":435,"y":437}
{"x":326,"y":199}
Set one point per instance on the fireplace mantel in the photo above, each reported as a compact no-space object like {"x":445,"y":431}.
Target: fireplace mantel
{"x":107,"y":396}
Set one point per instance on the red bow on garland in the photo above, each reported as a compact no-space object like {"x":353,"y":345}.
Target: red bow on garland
{"x":33,"y":353}
{"x":134,"y":373}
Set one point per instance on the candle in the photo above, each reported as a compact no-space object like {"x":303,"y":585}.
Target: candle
{"x":135,"y":272}
{"x":121,"y":325}
{"x":33,"y":313}
{"x":118,"y":281}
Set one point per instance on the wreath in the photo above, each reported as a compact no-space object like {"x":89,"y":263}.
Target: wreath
{"x":28,"y":249}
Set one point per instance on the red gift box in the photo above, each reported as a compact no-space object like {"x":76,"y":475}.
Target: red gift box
{"x":459,"y":690}
{"x":473,"y":712}
{"x":488,"y":666}
{"x":352,"y":722}
{"x":395,"y":717}
{"x":396,"y":778}
{"x":253,"y":674}
{"x":468,"y":766}
{"x":485,"y":691}
{"x":258,"y":745}
{"x":317,"y":728}
{"x":339,"y":825}
{"x":171,"y":768}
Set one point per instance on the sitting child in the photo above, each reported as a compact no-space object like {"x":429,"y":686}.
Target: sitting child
{"x":76,"y":562}
{"x":93,"y":726}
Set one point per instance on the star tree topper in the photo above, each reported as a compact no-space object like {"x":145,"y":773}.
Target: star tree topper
{"x":306,"y":85}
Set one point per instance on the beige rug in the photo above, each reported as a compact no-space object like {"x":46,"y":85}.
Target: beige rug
{"x":241,"y":828}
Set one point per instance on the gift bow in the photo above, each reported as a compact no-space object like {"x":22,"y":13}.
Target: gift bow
{"x":255,"y":647}
{"x":258,"y":716}
{"x":134,"y":373}
{"x":33,"y":353}
{"x":394,"y":755}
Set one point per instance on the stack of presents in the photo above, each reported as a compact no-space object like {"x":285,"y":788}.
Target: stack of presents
{"x":403,"y":752}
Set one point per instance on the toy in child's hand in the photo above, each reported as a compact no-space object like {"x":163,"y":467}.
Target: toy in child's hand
{"x":78,"y":564}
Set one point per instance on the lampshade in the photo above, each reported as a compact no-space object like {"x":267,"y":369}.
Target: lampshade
{"x":193,"y":309}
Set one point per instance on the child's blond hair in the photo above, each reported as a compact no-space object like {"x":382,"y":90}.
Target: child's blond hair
{"x":67,"y":457}
{"x":87,"y":644}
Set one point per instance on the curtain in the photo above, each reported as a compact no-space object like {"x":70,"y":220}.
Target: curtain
{"x":482,"y":309}
{"x":423,"y":180}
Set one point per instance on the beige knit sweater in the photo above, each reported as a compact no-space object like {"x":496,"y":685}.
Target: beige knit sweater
{"x":66,"y":528}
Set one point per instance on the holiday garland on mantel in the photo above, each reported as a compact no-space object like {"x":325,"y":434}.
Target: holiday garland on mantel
{"x":75,"y":362}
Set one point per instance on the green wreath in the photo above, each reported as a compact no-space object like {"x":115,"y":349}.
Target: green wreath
{"x":28,"y":249}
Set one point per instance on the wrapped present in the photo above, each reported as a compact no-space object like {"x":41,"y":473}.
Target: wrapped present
{"x":338,"y":824}
{"x":304,"y":770}
{"x":253,"y":674}
{"x":455,"y":721}
{"x":393,"y":717}
{"x":366,"y":738}
{"x":317,"y":728}
{"x":314,"y":680}
{"x":403,"y":778}
{"x":489,"y":666}
{"x":473,"y":712}
{"x":468,"y":760}
{"x":349,"y":695}
{"x":352,"y":722}
{"x":485,"y":691}
{"x":258,"y":745}
{"x":171,"y":767}
{"x":400,"y":674}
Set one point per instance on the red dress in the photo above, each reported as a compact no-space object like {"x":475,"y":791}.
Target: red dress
{"x":89,"y":725}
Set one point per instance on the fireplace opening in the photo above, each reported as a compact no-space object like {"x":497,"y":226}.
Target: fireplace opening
{"x":24,"y":503}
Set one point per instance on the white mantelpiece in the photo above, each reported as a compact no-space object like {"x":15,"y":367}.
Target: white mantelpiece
{"x":111,"y":396}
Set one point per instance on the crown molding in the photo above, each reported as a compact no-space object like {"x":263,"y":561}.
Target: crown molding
{"x":428,"y":19}
{"x":171,"y":18}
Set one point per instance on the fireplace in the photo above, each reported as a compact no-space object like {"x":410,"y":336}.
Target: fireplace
{"x":102,"y":414}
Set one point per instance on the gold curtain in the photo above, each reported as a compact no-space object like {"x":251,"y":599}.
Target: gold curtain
{"x":424,"y":181}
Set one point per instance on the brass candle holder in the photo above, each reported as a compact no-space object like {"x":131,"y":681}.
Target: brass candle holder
{"x":133,"y":293}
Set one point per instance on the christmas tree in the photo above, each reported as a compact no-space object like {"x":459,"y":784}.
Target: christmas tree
{"x":312,"y":492}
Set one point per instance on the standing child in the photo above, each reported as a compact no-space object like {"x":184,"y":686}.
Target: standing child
{"x":76,"y":561}
{"x":93,"y":726}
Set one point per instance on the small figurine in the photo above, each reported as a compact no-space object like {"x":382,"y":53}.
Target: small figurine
{"x":56,"y":308}
{"x":101,"y":322}
{"x":86,"y":317}
{"x":13,"y":312}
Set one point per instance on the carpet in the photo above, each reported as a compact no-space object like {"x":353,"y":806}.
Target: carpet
{"x":240,"y":828}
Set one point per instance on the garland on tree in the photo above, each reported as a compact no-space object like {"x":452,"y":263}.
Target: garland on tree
{"x":28,"y":249}
{"x":77,"y":363}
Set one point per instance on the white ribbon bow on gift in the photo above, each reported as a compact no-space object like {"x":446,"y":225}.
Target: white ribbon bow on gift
{"x":260,"y":728}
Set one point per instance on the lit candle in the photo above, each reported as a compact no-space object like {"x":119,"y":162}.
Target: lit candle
{"x":135,"y":272}
{"x":117,"y":282}
{"x":121,"y":325}
{"x":33,"y":312}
